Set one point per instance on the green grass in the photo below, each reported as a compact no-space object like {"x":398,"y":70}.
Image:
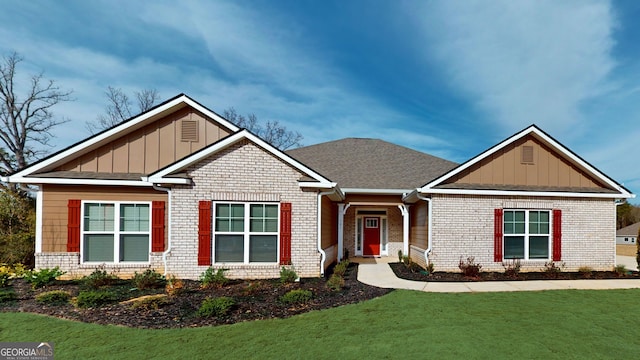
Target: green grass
{"x":404,"y":324}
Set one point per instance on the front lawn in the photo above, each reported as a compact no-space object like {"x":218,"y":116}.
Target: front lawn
{"x":550,"y":324}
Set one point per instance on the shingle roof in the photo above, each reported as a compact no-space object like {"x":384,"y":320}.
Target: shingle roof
{"x":631,"y":230}
{"x":371,"y":164}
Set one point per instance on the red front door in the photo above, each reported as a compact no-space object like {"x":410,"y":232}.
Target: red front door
{"x":371,"y":234}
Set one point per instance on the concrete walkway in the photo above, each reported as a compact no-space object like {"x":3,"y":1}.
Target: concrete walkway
{"x":377,"y":272}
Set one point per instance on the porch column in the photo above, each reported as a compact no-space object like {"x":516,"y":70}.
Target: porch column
{"x":404,"y":209}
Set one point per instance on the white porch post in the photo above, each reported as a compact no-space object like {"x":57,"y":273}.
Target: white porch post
{"x":341,"y":211}
{"x":404,"y":209}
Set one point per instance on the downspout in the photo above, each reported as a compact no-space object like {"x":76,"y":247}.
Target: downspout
{"x":38,"y":230}
{"x":429,"y":211}
{"x":166,"y":252}
{"x":319,"y":216}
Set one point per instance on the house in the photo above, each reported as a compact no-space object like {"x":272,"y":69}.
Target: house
{"x":628,"y":235}
{"x":179,"y":189}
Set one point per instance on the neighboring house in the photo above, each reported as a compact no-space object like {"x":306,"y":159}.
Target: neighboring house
{"x":179,"y":188}
{"x":628,"y":235}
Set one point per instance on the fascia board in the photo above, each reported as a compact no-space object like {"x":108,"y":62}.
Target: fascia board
{"x":244,"y":134}
{"x":124,"y":126}
{"x":546,"y":138}
{"x":524,"y":193}
{"x":376,"y":191}
{"x":63,"y":181}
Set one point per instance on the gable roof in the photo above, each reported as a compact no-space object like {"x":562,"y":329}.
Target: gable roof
{"x":631,"y":230}
{"x":180,"y":101}
{"x":613,"y":189}
{"x":171,"y":173}
{"x":358,"y":164}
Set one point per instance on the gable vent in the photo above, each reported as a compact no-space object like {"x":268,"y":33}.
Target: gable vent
{"x":189,"y":130}
{"x":527,"y":154}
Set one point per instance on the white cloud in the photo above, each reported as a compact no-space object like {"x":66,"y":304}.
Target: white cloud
{"x":524,"y":62}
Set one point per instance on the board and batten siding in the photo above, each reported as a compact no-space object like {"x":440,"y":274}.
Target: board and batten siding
{"x":151,"y":147}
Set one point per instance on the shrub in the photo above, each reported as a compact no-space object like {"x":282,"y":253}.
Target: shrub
{"x":42,"y":277}
{"x":92,"y":298}
{"x":287,"y":275}
{"x":399,"y":256}
{"x":218,"y":306}
{"x":297,"y":296}
{"x":99,"y":278}
{"x":585,"y":271}
{"x":341,"y":267}
{"x":149,"y":279}
{"x":7,"y":296}
{"x":5,"y":275}
{"x":174,"y":286}
{"x":335,"y":282}
{"x":469,"y":267}
{"x":512,"y":268}
{"x":620,"y":270}
{"x":214,"y":278}
{"x":151,"y":302}
{"x":430,"y":267}
{"x":55,"y":297}
{"x":552,"y":270}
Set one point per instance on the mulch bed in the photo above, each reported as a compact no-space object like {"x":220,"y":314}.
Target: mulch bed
{"x":415,"y":274}
{"x":255,"y":300}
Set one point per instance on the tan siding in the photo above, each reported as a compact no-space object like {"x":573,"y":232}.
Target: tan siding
{"x":329,"y":223}
{"x":504,"y":167}
{"x":419,"y":224}
{"x":149,"y":148}
{"x":54,"y":207}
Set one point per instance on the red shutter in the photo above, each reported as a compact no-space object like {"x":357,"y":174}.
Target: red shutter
{"x":157,"y":226}
{"x":497,"y":235}
{"x":73,"y":226}
{"x":557,"y":235}
{"x":285,"y":233}
{"x":204,"y":233}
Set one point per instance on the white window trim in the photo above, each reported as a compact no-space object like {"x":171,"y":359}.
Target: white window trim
{"x":527,"y":235}
{"x":116,"y":231}
{"x":359,"y":238}
{"x":246,"y":234}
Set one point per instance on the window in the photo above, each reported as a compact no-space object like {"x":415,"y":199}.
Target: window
{"x":526,"y":234}
{"x":116,"y":232}
{"x":246,"y":233}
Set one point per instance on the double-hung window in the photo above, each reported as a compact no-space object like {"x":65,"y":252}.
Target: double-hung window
{"x":115,"y":232}
{"x":526,"y":234}
{"x":246,"y":233}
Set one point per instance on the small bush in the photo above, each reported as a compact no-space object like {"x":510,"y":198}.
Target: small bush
{"x":149,"y":279}
{"x":287,"y":276}
{"x":42,"y":277}
{"x":620,"y":270}
{"x":585,"y":271}
{"x":341,"y":267}
{"x":470,"y":268}
{"x":512,"y":268}
{"x":55,"y":297}
{"x":335,"y":282}
{"x":4,"y":278}
{"x":94,"y":299}
{"x":552,"y":270}
{"x":7,"y":296}
{"x":430,"y":267}
{"x":99,"y":278}
{"x":214,"y":278}
{"x":297,"y":296}
{"x":218,"y":306}
{"x":174,"y":286}
{"x":152,"y":302}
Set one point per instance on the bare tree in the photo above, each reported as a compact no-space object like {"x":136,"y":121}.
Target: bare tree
{"x":118,"y":108}
{"x":25,"y":119}
{"x":272,"y":131}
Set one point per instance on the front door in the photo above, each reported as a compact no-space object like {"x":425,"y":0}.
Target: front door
{"x":371,"y":246}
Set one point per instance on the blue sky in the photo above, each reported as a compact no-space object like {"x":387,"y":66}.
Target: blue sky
{"x":450,"y":78}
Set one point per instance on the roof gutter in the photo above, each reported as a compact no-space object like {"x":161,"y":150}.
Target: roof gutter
{"x":168,"y":250}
